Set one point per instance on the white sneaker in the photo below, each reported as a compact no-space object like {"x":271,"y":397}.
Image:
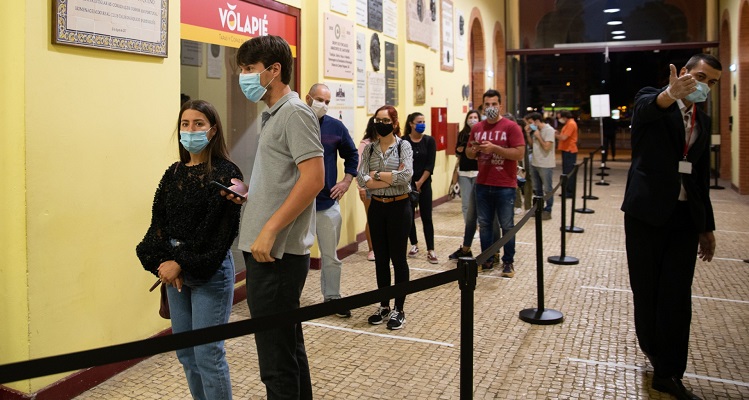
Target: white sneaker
{"x":518,"y":211}
{"x":370,"y":256}
{"x":414,"y":251}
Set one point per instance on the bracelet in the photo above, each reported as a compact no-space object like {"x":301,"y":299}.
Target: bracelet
{"x":668,"y":93}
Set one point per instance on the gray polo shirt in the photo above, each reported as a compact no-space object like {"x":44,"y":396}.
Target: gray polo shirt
{"x":541,"y":157}
{"x":290,"y":134}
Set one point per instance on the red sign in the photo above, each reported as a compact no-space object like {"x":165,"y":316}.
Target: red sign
{"x":232,"y":22}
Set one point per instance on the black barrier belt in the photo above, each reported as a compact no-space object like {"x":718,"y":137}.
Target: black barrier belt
{"x":162,"y":344}
{"x":506,"y":237}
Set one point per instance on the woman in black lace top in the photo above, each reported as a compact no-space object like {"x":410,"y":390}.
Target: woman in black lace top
{"x":188,"y":244}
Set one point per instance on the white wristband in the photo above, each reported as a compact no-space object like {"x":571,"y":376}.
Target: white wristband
{"x":668,"y":92}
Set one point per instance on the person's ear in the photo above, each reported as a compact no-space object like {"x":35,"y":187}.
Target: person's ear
{"x":682,"y":71}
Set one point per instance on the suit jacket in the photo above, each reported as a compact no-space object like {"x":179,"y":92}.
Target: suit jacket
{"x":654,"y":181}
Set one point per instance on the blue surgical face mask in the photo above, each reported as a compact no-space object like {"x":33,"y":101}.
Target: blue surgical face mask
{"x":534,"y":127}
{"x":699,"y":95}
{"x":194,"y":142}
{"x":420,"y":128}
{"x":251,"y":87}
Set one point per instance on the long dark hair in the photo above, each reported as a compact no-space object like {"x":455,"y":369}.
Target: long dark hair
{"x":393,"y":114}
{"x":370,"y":133}
{"x":217,"y":146}
{"x":409,"y":120}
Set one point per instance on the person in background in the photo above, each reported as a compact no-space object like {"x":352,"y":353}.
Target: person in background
{"x":188,"y":244}
{"x":668,"y":216}
{"x":609,"y":139}
{"x":277,"y":229}
{"x":335,"y":141}
{"x":567,"y":140}
{"x":544,"y":158}
{"x":369,"y":136}
{"x":424,"y":153}
{"x":467,"y":172}
{"x":386,"y":170}
{"x":498,"y":144}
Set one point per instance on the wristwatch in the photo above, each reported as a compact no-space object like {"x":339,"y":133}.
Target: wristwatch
{"x":377,"y":175}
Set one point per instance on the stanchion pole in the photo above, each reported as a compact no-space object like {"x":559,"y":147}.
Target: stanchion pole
{"x":589,"y":195}
{"x":467,"y":281}
{"x":572,"y":228}
{"x":602,"y":174}
{"x":563,"y":259}
{"x":540,"y":315}
{"x":716,"y":149}
{"x":585,"y":209}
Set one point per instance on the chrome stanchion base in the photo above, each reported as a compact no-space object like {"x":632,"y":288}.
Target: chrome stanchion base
{"x":573,"y":229}
{"x":541,"y":317}
{"x":563,"y":260}
{"x":602,"y":183}
{"x":584,"y":211}
{"x":590,"y":197}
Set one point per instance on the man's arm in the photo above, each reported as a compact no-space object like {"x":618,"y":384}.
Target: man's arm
{"x":544,"y":144}
{"x":311,"y":181}
{"x":350,"y":155}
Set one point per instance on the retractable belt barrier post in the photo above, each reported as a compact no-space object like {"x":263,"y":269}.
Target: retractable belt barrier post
{"x":468,"y":272}
{"x":585,"y":209}
{"x":589,"y":194}
{"x":572,"y":228}
{"x":716,"y":171}
{"x":540,"y":315}
{"x":603,"y":173}
{"x":563,"y":259}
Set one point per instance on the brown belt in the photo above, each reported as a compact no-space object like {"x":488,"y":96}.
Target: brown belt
{"x":390,"y":199}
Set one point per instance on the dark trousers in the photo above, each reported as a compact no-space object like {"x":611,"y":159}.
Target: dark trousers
{"x":273,"y":288}
{"x":609,"y":147}
{"x":425,"y":208}
{"x":568,"y":163}
{"x":389,"y":224}
{"x":661,"y":267}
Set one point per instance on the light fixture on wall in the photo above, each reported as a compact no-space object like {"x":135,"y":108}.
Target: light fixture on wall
{"x":732,"y":68}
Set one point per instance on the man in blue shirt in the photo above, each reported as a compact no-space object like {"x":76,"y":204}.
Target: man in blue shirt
{"x":336,"y":141}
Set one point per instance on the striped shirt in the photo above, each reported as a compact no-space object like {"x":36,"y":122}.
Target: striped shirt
{"x":373,"y":160}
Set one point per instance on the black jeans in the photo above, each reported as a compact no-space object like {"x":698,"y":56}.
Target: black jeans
{"x":661,"y":267}
{"x":425,"y":208}
{"x":389,"y":224}
{"x":273,"y":288}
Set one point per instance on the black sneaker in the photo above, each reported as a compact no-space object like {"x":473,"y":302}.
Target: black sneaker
{"x":344,"y":314}
{"x":508,"y":270}
{"x":459,"y":253}
{"x":487,"y":266}
{"x":397,"y":319}
{"x":380,"y":316}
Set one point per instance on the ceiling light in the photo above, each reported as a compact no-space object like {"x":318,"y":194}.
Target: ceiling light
{"x":617,"y":32}
{"x":614,"y":22}
{"x":619,"y":37}
{"x":629,"y":69}
{"x":611,"y":10}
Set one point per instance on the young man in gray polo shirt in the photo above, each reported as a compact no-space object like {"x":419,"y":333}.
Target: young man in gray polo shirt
{"x":544,"y":158}
{"x":277,"y":228}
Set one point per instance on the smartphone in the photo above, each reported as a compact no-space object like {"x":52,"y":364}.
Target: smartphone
{"x":225,"y":189}
{"x":475,"y":143}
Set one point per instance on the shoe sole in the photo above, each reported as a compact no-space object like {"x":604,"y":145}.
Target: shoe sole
{"x":412,"y":255}
{"x":343,"y":315}
{"x":507,"y":274}
{"x":434,"y":261}
{"x":395,"y":328}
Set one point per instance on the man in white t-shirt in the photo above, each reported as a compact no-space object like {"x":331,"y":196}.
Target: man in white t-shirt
{"x":544,"y":160}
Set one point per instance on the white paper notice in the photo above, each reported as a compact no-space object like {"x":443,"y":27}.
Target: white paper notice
{"x":362,"y":15}
{"x":361,"y":69}
{"x":339,"y":47}
{"x":339,"y":6}
{"x":375,"y":91}
{"x":390,"y":18}
{"x":342,"y":104}
{"x":461,"y":41}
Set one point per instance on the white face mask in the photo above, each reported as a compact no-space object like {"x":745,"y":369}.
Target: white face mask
{"x":319,"y":108}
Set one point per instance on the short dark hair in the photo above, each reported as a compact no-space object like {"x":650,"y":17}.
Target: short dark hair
{"x":267,"y":50}
{"x":492,"y":93}
{"x":534,"y":116}
{"x":707,"y":58}
{"x":566,"y":114}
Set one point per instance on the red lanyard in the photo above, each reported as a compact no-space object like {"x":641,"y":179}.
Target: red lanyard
{"x":691,"y":130}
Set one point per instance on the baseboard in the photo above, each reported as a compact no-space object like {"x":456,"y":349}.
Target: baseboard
{"x":81,"y":381}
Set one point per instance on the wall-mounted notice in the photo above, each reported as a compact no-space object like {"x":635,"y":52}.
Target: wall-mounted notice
{"x":461,"y":41}
{"x":191,"y":53}
{"x":374,"y":15}
{"x":133,"y":26}
{"x":361,"y":12}
{"x":375,"y":91}
{"x":599,"y":105}
{"x":390,"y":18}
{"x":421,"y":17}
{"x":342,"y":104}
{"x":339,"y":6}
{"x":420,"y":91}
{"x":361,"y":69}
{"x":391,"y":73}
{"x":339,"y":47}
{"x":215,"y":68}
{"x":447,"y":49}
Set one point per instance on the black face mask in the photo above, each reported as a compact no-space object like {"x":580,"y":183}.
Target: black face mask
{"x":383,"y":129}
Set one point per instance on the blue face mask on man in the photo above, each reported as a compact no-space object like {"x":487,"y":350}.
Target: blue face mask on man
{"x":534,"y":127}
{"x":699,"y":95}
{"x":251,"y":87}
{"x":194,"y":142}
{"x":420,"y":128}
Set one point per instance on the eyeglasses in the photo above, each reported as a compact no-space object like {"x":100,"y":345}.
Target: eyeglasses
{"x":383,"y":121}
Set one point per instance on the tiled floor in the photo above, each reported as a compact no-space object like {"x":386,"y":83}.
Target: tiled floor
{"x":593,"y":354}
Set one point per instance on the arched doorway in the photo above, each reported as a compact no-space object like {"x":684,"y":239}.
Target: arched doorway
{"x":500,"y":64}
{"x":477,"y":59}
{"x":743,"y":117}
{"x":724,"y":50}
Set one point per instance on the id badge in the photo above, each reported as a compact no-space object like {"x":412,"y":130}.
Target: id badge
{"x":685,"y":167}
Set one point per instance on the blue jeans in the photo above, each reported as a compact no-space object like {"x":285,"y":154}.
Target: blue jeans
{"x":568,"y":164}
{"x":468,"y":201}
{"x":272,"y":288}
{"x":201,"y":304}
{"x":542,"y":182}
{"x":496,"y":202}
{"x":328,"y":230}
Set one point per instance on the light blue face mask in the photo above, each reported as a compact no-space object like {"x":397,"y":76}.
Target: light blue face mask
{"x":534,"y":127}
{"x":420,"y":128}
{"x":699,"y":95}
{"x":194,"y":142}
{"x":251,"y":87}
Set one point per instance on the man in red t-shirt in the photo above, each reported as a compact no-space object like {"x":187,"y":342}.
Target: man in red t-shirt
{"x":497,"y":143}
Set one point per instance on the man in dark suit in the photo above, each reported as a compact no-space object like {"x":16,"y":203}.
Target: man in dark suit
{"x":668,"y":217}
